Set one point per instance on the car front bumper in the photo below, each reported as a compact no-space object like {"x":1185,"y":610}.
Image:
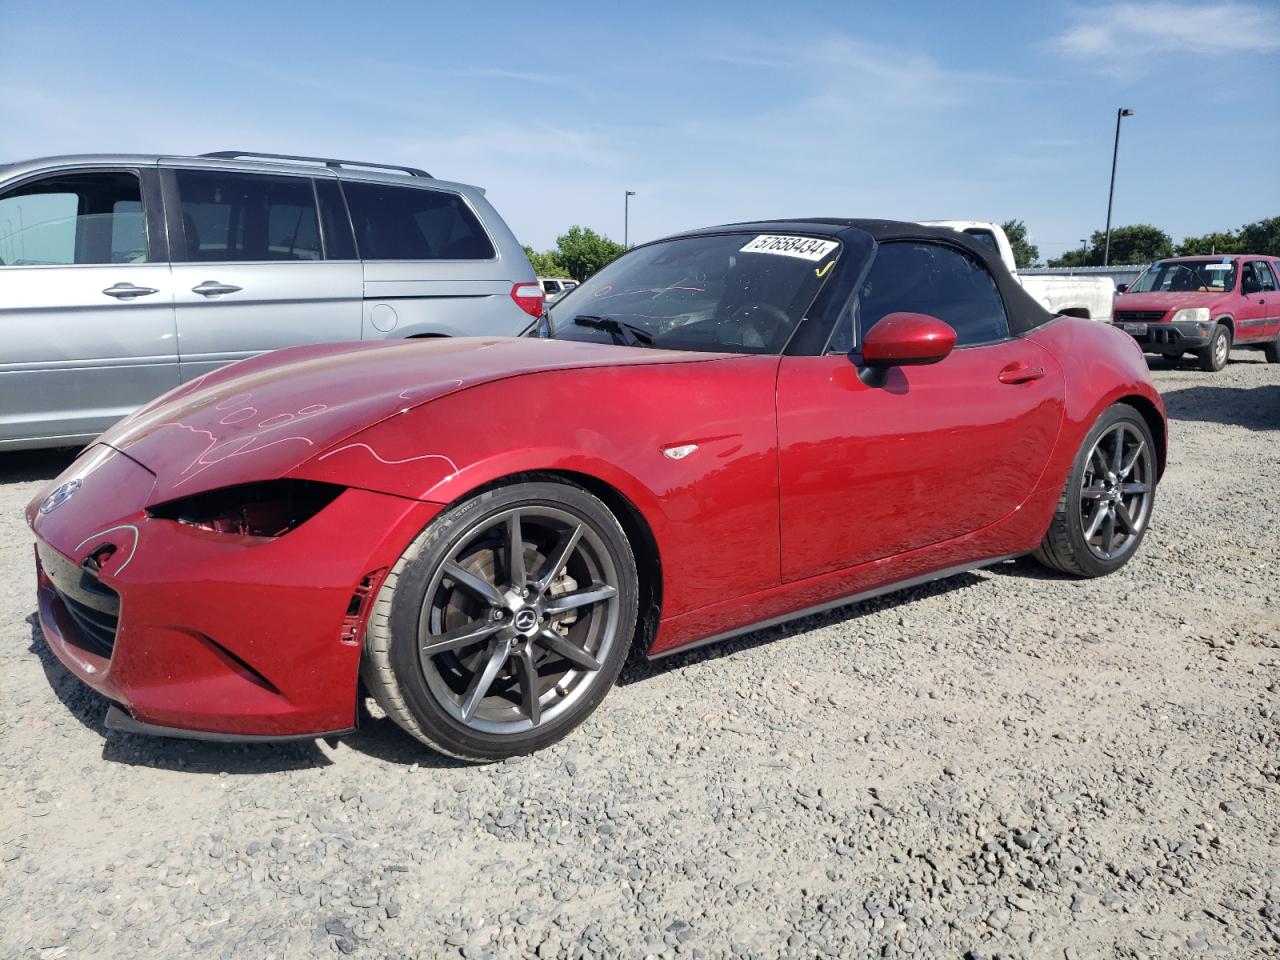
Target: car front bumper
{"x":1161,"y":337}
{"x":194,"y":633}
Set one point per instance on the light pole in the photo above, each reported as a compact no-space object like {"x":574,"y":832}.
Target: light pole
{"x":626,"y":219}
{"x":1106,"y":250}
{"x":1084,"y":252}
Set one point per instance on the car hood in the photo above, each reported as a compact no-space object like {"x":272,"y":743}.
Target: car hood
{"x":1168,"y":301}
{"x":263,"y":417}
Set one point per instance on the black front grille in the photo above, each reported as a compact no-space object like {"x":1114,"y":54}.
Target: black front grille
{"x":92,"y":605}
{"x":1140,"y":316}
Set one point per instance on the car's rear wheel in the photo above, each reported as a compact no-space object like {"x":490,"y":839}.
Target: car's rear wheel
{"x":1106,"y":504}
{"x":1272,"y":350}
{"x":1213,"y":357}
{"x":505,"y":623}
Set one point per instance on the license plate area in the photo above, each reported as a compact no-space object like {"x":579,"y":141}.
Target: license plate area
{"x":1136,"y":329}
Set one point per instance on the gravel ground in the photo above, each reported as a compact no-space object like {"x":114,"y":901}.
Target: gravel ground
{"x":1002,"y":764}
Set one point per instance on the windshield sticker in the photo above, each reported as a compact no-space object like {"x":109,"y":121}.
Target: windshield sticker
{"x":1217,"y":266}
{"x":806,"y":248}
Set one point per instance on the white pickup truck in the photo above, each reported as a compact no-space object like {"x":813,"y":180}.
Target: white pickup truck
{"x":1088,"y":297}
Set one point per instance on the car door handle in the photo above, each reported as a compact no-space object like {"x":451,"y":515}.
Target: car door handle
{"x":212,"y":288}
{"x":1020,"y":373}
{"x":127,"y":291}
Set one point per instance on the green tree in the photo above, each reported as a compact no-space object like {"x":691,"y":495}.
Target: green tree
{"x":546,"y":263}
{"x":1025,"y":253}
{"x":582,"y":251}
{"x":1210,"y":243}
{"x":1137,"y":243}
{"x":1072,"y":258}
{"x":1261,"y":237}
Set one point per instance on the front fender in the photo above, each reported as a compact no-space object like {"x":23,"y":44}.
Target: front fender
{"x":713,"y":513}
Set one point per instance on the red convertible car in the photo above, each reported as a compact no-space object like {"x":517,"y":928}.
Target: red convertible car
{"x":718,"y":431}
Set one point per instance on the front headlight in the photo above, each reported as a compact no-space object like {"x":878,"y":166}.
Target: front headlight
{"x":1191,"y":315}
{"x":268,"y":509}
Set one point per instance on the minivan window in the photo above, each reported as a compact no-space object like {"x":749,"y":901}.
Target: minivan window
{"x":414,"y":223}
{"x":936,"y":280}
{"x":74,"y":219}
{"x":246,"y":217}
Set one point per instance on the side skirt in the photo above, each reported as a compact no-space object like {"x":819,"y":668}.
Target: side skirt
{"x":117,"y":719}
{"x":832,"y":604}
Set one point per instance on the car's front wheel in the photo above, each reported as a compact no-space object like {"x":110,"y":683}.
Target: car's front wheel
{"x":1105,"y":506}
{"x":1213,"y":357}
{"x":505,"y":623}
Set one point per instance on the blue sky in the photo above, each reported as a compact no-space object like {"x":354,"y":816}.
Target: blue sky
{"x":710,"y":112}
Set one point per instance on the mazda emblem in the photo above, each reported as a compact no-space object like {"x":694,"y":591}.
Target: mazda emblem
{"x":60,"y":495}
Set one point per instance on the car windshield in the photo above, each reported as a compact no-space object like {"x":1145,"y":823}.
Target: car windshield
{"x":1187,"y":276}
{"x":729,"y":293}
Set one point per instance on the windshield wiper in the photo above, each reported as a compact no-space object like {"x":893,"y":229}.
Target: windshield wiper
{"x":630,"y":334}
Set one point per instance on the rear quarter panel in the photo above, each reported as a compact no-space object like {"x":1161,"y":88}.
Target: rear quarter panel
{"x":449,"y":298}
{"x":1103,"y":366}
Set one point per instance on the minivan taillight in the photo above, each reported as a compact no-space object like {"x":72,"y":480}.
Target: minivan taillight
{"x":528,"y":297}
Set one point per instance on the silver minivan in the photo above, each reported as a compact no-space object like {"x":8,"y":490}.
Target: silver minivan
{"x":123,"y":276}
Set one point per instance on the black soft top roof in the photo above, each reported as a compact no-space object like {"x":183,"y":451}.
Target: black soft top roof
{"x":1025,"y":313}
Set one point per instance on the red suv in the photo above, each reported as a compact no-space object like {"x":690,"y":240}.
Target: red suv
{"x":1204,"y":305}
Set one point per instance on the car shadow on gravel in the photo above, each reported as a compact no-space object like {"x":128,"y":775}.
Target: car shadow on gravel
{"x":1256,"y":408}
{"x":377,"y":737}
{"x":24,"y":466}
{"x":638,"y":668}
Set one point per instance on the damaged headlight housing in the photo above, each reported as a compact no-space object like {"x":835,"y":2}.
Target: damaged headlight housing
{"x":268,"y":509}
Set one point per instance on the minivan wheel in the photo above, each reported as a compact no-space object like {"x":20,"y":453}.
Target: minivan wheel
{"x":1106,"y":504}
{"x":1213,"y":357}
{"x":505,"y":623}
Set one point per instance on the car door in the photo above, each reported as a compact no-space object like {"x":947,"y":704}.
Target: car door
{"x":1271,"y":293}
{"x":254,"y":267}
{"x":86,"y":303}
{"x":868,"y":472}
{"x":1251,"y":306}
{"x":1260,"y":302}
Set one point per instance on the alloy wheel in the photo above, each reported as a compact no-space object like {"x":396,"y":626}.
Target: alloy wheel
{"x":1115,"y":491}
{"x":518,"y":619}
{"x":1221,"y":345}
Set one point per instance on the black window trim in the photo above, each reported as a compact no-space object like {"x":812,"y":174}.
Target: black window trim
{"x":152,"y":209}
{"x":434,"y":188}
{"x":344,"y":214}
{"x":846,"y":311}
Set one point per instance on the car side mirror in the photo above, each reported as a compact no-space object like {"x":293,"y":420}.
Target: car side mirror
{"x":907,"y":340}
{"x":1121,"y":287}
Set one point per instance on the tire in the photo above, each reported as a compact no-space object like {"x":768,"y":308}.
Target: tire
{"x":1069,"y":546}
{"x":1213,"y":357}
{"x":1272,"y":350}
{"x":510,"y":674}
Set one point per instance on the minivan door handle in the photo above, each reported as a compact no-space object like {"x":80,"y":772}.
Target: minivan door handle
{"x":127,"y":291}
{"x":212,"y":288}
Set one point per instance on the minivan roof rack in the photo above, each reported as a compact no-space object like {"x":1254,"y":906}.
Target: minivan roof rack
{"x":327,"y":161}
